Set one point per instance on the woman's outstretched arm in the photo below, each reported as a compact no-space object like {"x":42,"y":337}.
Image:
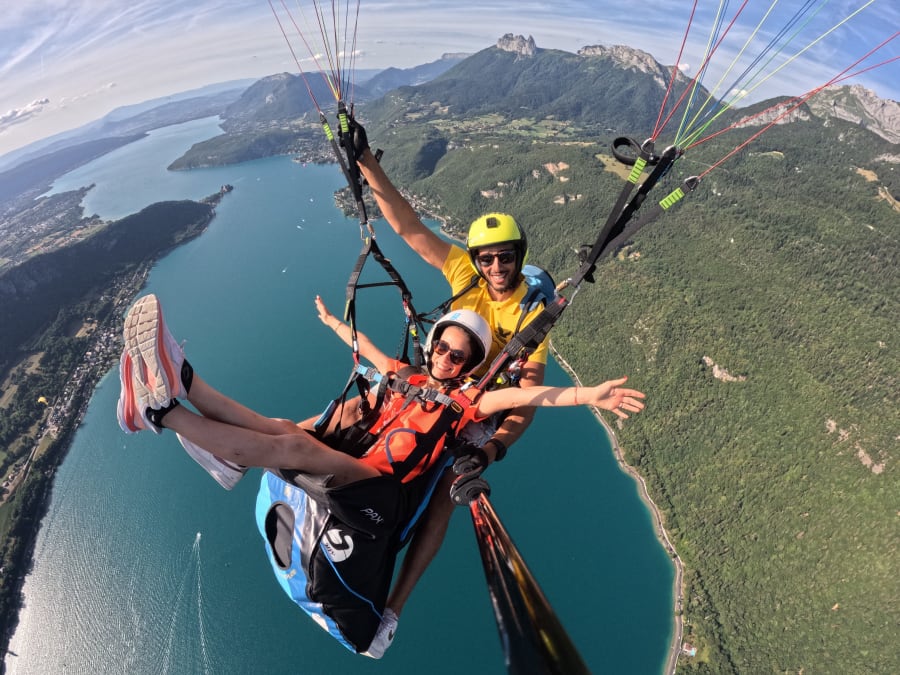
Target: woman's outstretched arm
{"x":608,"y":395}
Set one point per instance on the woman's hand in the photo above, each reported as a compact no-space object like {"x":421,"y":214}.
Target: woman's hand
{"x":325,"y":316}
{"x":610,"y":395}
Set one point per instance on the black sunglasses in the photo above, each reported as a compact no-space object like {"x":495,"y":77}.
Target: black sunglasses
{"x":457,"y":356}
{"x":487,"y":259}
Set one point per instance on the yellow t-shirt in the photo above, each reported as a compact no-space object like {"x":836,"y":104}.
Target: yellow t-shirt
{"x":502,"y":316}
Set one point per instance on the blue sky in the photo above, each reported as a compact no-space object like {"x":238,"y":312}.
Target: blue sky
{"x":64,"y":63}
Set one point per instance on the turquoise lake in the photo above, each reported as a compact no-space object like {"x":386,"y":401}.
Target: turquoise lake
{"x":145,"y":565}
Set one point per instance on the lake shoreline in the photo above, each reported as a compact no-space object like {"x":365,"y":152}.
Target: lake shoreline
{"x":661,"y":534}
{"x":644,"y":494}
{"x":105,"y":347}
{"x":57,"y":450}
{"x":562,"y":363}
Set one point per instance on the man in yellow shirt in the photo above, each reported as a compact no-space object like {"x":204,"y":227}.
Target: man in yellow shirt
{"x":495,"y":251}
{"x":502,"y":309}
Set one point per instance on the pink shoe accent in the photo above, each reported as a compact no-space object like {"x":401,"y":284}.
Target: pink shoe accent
{"x":126,"y":408}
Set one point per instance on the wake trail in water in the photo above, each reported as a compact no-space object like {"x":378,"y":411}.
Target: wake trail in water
{"x":203,"y":650}
{"x":192,"y":573}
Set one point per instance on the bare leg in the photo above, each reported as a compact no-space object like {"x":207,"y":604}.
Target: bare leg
{"x":252,"y":447}
{"x":217,"y":406}
{"x":425,"y":543}
{"x":349,"y":415}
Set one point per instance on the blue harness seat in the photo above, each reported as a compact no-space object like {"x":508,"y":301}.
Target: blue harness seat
{"x":333,"y":550}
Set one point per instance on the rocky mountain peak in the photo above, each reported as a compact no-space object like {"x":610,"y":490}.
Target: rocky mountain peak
{"x":630,"y":58}
{"x":854,"y":103}
{"x":799,"y":114}
{"x":518,"y":45}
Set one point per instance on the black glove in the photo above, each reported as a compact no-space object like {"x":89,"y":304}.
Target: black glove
{"x":357,"y":135}
{"x":468,"y":466}
{"x":467,"y":488}
{"x":469,"y":458}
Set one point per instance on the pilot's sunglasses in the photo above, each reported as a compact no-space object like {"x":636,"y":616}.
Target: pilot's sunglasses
{"x":487,"y":259}
{"x":457,"y":356}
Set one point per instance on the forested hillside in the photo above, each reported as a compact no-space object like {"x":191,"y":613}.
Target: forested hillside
{"x":760,"y":316}
{"x":66,"y":275}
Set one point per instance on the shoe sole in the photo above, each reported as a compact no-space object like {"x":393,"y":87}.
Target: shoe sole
{"x":145,"y":334}
{"x":127,"y":403}
{"x":134,"y":400}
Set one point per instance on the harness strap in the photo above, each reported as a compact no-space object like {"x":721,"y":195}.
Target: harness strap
{"x":398,"y":383}
{"x":618,"y":219}
{"x":527,"y":339}
{"x":362,"y":376}
{"x":354,"y":178}
{"x":444,"y":307}
{"x":426,"y":442}
{"x":321,"y":424}
{"x":371,"y":248}
{"x":350,"y":169}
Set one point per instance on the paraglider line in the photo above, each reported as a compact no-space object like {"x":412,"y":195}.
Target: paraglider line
{"x":296,"y":60}
{"x":657,"y":128}
{"x":794,"y":103}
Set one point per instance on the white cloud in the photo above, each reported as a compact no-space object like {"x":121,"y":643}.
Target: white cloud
{"x":19,"y":115}
{"x":73,"y":50}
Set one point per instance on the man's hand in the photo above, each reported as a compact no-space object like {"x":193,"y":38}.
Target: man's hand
{"x":470,"y":462}
{"x":357,"y":136}
{"x":467,"y":487}
{"x":469,"y":458}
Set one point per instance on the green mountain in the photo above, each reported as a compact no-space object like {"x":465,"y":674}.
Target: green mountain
{"x":392,"y":78}
{"x":277,"y":115}
{"x":760,"y":317}
{"x":595,"y":92}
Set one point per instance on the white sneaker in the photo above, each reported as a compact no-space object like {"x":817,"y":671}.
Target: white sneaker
{"x":226,"y":473}
{"x":384,"y":636}
{"x":153,"y":348}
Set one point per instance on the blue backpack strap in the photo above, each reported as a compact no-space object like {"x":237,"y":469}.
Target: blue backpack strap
{"x":541,"y":288}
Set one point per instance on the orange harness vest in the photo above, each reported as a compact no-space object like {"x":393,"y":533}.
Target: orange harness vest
{"x":411,"y":433}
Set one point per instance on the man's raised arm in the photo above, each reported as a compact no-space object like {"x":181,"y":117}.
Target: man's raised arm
{"x":400,"y":214}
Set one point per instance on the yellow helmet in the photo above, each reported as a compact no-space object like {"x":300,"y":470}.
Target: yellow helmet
{"x":497,"y":228}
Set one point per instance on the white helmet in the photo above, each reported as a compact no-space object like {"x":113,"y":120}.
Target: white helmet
{"x":474,"y":325}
